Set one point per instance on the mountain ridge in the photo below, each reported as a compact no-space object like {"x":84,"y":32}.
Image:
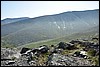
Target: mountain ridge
{"x":50,"y":26}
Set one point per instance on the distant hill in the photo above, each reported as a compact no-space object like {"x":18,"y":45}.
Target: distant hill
{"x":11,"y":20}
{"x":48,"y":27}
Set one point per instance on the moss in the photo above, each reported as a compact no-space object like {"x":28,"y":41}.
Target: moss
{"x":13,"y":58}
{"x":34,"y":57}
{"x":96,"y":60}
{"x":65,"y":52}
{"x":42,"y":59}
{"x":91,"y":52}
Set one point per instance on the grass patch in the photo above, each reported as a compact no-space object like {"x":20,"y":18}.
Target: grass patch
{"x":91,"y":52}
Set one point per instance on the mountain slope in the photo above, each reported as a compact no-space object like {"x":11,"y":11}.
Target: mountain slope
{"x":81,"y":35}
{"x":49,"y":27}
{"x":11,"y":20}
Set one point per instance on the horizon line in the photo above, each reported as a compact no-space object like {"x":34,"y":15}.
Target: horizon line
{"x":47,"y":15}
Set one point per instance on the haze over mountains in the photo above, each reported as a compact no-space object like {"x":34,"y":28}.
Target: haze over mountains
{"x":20,"y":31}
{"x":11,"y":20}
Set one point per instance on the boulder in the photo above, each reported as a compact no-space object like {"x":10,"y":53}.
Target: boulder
{"x":95,"y":38}
{"x":23,"y":50}
{"x":40,"y":50}
{"x":43,"y":49}
{"x":64,"y":45}
{"x":65,"y":60}
{"x":34,"y":50}
{"x":81,"y":54}
{"x":10,"y":62}
{"x":75,"y":41}
{"x":57,"y":51}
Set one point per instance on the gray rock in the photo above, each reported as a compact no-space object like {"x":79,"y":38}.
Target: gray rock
{"x":7,"y":55}
{"x":64,"y":45}
{"x":62,"y":60}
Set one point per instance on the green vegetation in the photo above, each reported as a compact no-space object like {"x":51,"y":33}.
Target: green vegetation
{"x":91,"y":52}
{"x":13,"y":58}
{"x":96,"y":60}
{"x":8,"y":46}
{"x":42,"y":59}
{"x":55,"y":41}
{"x":65,"y":52}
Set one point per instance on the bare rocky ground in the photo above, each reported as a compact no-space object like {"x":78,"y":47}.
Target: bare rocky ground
{"x":46,"y":56}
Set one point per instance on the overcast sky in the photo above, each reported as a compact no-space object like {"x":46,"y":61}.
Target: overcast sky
{"x":14,"y":9}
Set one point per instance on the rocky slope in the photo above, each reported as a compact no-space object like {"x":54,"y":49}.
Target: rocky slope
{"x":63,"y":60}
{"x":73,"y":53}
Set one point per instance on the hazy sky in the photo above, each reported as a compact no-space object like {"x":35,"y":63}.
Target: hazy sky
{"x":14,"y":9}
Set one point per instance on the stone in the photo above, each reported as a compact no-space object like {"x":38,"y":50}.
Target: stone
{"x":62,"y":60}
{"x":23,"y":50}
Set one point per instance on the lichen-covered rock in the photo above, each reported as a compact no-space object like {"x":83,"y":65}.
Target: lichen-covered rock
{"x":8,"y":53}
{"x":10,"y":57}
{"x":62,"y":60}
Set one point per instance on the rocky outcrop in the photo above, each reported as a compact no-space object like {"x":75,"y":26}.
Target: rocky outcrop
{"x":23,"y":50}
{"x":14,"y":60}
{"x":8,"y":53}
{"x":64,"y":60}
{"x":64,"y":45}
{"x":58,"y":55}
